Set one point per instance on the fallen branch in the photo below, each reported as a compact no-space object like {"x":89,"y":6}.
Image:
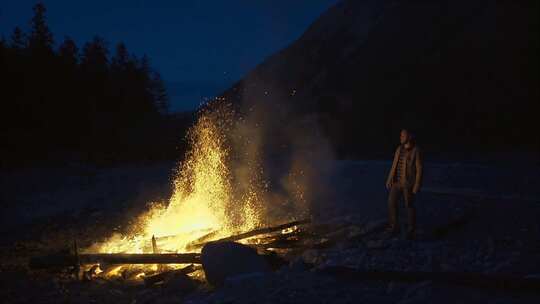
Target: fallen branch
{"x":126,"y":258}
{"x":65,"y":260}
{"x":278,"y":244}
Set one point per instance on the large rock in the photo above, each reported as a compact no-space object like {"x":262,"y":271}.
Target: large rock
{"x":226,"y":259}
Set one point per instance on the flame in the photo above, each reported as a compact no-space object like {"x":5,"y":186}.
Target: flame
{"x":202,"y":202}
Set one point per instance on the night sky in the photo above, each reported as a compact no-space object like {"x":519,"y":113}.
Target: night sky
{"x":200,"y":47}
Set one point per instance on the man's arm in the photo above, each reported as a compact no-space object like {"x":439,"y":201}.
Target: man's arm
{"x":419,"y":168}
{"x":392,"y":170}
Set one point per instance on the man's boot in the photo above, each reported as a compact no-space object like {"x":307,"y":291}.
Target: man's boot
{"x":392,"y":229}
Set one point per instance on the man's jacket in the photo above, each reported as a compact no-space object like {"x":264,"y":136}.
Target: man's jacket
{"x":412,"y":177}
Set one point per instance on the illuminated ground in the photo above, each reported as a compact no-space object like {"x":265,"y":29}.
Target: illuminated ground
{"x":499,"y":234}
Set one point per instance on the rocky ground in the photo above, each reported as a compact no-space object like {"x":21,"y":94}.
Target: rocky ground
{"x":472,"y":219}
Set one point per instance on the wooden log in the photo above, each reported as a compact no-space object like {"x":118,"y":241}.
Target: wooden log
{"x":65,"y":260}
{"x":278,"y":244}
{"x":201,"y":241}
{"x":479,"y":280}
{"x":58,"y":260}
{"x":260,"y":231}
{"x":198,"y":243}
{"x":143,"y":258}
{"x":154,"y":245}
{"x":296,"y":239}
{"x":174,"y":236}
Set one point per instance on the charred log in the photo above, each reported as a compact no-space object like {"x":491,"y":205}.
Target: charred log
{"x":66,"y":260}
{"x":260,"y":231}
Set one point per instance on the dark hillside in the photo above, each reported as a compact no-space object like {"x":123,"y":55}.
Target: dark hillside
{"x":463,"y":74}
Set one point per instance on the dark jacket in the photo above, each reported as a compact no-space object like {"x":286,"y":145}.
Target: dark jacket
{"x":413,"y":168}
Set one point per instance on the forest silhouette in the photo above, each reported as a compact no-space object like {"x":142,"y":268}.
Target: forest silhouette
{"x":71,"y":103}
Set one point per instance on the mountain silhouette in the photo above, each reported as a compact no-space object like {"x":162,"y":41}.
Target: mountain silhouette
{"x":462,"y":74}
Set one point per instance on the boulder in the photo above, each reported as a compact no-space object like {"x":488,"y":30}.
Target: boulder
{"x":221,"y":260}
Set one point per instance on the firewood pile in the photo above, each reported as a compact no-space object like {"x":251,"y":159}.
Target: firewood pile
{"x":276,"y":244}
{"x":86,"y":266}
{"x":261,"y":250}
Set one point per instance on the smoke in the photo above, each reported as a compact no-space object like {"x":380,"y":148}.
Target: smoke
{"x":279,"y":157}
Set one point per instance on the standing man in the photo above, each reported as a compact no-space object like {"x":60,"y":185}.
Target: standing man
{"x":404,"y":181}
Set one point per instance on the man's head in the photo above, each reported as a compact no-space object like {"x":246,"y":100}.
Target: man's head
{"x":405,"y":137}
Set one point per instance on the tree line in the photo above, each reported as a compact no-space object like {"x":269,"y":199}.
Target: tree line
{"x":81,"y":102}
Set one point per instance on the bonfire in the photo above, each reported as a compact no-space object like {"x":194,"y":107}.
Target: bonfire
{"x":206,"y":206}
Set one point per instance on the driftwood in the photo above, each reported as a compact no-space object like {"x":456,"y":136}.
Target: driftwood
{"x":495,"y":281}
{"x":251,"y":233}
{"x":65,"y":260}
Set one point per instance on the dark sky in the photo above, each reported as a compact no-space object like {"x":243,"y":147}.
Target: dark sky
{"x":200,"y":46}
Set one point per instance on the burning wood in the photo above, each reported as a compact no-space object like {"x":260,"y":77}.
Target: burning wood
{"x":67,"y":259}
{"x":143,"y":258}
{"x":253,"y":233}
{"x":198,"y":243}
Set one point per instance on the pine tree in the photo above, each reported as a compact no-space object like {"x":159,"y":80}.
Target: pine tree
{"x":144,"y":79}
{"x":159,"y":93}
{"x":18,"y":39}
{"x":74,"y":99}
{"x":95,"y":55}
{"x":144,"y":65}
{"x":68,"y":51}
{"x":41,"y":38}
{"x":121,"y":58}
{"x":95,"y":83}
